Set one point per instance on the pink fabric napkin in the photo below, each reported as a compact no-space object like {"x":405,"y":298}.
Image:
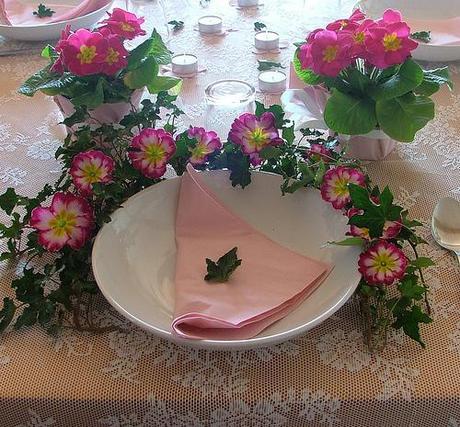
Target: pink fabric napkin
{"x":18,"y":12}
{"x":444,"y":32}
{"x":271,"y":281}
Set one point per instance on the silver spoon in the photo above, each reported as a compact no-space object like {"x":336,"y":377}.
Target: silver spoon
{"x":445,"y":225}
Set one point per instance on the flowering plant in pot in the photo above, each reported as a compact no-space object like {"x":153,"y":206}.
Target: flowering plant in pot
{"x":372,"y":81}
{"x":94,"y":70}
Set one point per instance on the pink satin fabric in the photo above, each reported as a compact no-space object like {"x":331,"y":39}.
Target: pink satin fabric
{"x":271,"y":281}
{"x":17,"y":12}
{"x":444,"y":32}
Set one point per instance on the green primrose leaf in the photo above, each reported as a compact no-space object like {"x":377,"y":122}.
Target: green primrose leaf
{"x":306,"y":75}
{"x":408,"y":77}
{"x":221,"y":270}
{"x":432,"y":81}
{"x":400,"y":118}
{"x":144,"y":75}
{"x":162,"y":83}
{"x":349,"y":115}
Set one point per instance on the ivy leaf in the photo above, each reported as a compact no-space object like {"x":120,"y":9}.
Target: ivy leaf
{"x":422,"y":262}
{"x":258,"y":26}
{"x":240,"y":173}
{"x":409,"y":287}
{"x":268,"y":65}
{"x":410,"y":321}
{"x":276,"y":110}
{"x":221,"y":270}
{"x":176,"y":25}
{"x":43,"y":11}
{"x":6,"y":313}
{"x":8,"y":200}
{"x":270,"y":152}
{"x":422,"y":36}
{"x":350,"y":241}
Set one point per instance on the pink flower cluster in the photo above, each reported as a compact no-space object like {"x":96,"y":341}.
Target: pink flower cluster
{"x":207,"y":142}
{"x":86,"y":52}
{"x":381,"y":43}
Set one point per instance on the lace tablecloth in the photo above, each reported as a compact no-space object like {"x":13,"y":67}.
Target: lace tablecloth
{"x":325,"y":377}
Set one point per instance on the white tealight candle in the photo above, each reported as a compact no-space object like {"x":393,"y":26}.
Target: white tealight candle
{"x":272,"y":81}
{"x":210,"y":24}
{"x":267,"y":40}
{"x":248,"y":3}
{"x":184,"y":64}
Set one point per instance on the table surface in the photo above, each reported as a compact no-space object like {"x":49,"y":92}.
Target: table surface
{"x":325,"y":377}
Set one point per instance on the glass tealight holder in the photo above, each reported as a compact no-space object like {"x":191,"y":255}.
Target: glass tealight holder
{"x":225,"y":101}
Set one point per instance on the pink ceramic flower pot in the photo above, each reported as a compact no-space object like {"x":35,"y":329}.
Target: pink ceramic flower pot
{"x":105,"y":113}
{"x":376,"y":145}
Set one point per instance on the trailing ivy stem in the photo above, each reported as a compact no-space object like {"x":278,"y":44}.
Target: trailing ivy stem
{"x":425,"y":294}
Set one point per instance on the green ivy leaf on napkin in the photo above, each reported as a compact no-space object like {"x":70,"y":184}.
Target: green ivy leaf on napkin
{"x":221,"y":270}
{"x":422,"y":36}
{"x":43,"y":11}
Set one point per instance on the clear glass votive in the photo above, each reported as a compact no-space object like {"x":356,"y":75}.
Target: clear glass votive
{"x":225,"y":101}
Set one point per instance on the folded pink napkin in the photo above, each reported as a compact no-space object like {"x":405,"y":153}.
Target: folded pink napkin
{"x":271,"y":281}
{"x":444,"y":32}
{"x":20,"y":12}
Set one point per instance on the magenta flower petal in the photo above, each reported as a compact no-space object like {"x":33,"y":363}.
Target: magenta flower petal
{"x":382,"y":264}
{"x":151,"y":150}
{"x":89,"y":168}
{"x":68,"y":221}
{"x":334,"y":188}
{"x":124,"y":24}
{"x":253,"y":134}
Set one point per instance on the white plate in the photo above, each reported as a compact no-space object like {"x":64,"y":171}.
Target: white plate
{"x":134,"y":254}
{"x":52,"y":31}
{"x":436,"y":53}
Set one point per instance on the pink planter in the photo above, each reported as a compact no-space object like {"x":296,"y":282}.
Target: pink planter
{"x":105,"y":113}
{"x":375,"y":145}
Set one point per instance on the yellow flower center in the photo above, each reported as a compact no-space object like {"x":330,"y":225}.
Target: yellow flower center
{"x":258,"y":138}
{"x":63,"y":223}
{"x":199,"y":151}
{"x":343,"y":24}
{"x":112,"y":56}
{"x":341,"y":187}
{"x":330,"y":53}
{"x":383,"y":262}
{"x":359,"y":37}
{"x":92,"y":173}
{"x":154,"y":153}
{"x":87,"y":54}
{"x":391,"y":42}
{"x":127,"y":27}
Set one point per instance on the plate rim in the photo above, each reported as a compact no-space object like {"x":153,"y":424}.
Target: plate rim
{"x":228,"y":345}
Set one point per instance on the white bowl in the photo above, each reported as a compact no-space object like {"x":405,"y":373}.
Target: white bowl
{"x":51,"y":31}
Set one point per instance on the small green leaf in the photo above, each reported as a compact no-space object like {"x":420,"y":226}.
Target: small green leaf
{"x":268,"y":65}
{"x":432,"y":81}
{"x":6,"y":313}
{"x":409,"y":288}
{"x":221,"y":270}
{"x":176,"y":25}
{"x":349,"y":115}
{"x":258,"y":26}
{"x":144,"y":75}
{"x":8,"y":200}
{"x":400,"y":118}
{"x":270,"y":152}
{"x":161,"y":83}
{"x":422,"y":262}
{"x":275,"y":109}
{"x":422,"y":36}
{"x":410,"y":321}
{"x":350,"y":241}
{"x":43,"y":11}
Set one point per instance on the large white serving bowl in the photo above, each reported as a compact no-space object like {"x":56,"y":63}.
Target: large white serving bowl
{"x":134,"y":255}
{"x":52,"y":31}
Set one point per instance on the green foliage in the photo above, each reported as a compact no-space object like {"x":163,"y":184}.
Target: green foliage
{"x":43,"y":11}
{"x":268,"y":65}
{"x":306,"y":75}
{"x":176,"y":25}
{"x":259,"y":26}
{"x":221,"y":270}
{"x":422,"y":36}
